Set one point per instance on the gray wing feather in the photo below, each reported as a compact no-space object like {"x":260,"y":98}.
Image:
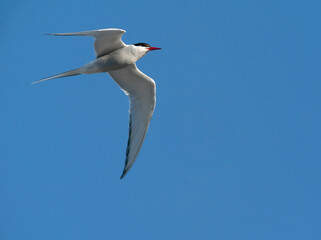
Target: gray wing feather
{"x":106,"y":40}
{"x":141,"y":91}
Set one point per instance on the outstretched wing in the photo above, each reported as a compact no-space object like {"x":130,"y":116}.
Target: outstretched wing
{"x":106,"y":40}
{"x":141,"y":91}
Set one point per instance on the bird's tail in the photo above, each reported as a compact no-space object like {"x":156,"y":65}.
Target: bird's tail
{"x":64,"y":74}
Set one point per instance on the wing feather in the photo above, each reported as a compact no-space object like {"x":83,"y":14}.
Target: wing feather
{"x":106,"y":40}
{"x":141,"y":91}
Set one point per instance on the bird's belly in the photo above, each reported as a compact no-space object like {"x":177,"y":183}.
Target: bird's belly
{"x":112,"y":62}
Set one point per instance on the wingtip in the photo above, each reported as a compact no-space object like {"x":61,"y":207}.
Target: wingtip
{"x":56,"y":34}
{"x":34,"y":82}
{"x":38,"y":81}
{"x":124,"y":174}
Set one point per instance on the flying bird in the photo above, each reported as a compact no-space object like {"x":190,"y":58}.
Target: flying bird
{"x":119,"y":61}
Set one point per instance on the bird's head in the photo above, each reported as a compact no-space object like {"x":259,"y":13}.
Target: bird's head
{"x":146,"y":46}
{"x":140,"y":49}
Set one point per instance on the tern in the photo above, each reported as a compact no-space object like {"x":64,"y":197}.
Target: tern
{"x":119,"y":61}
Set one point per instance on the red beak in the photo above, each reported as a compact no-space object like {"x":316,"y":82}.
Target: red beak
{"x":153,"y":48}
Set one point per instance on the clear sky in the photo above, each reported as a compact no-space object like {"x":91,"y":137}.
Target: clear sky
{"x":234,"y":147}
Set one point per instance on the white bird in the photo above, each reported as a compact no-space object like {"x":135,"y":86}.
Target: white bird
{"x":118,"y":59}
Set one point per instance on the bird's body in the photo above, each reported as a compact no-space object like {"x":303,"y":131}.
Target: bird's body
{"x":118,"y":59}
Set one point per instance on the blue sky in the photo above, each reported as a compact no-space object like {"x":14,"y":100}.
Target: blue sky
{"x":233,"y":150}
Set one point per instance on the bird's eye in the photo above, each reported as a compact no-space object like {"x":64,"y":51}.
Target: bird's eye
{"x":142,"y":44}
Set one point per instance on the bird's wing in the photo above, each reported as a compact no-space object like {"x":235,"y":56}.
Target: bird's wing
{"x":106,"y":40}
{"x":141,"y":91}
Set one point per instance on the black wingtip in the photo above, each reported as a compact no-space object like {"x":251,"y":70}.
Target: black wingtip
{"x":124,"y":174}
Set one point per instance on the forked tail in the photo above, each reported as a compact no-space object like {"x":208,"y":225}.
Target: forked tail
{"x":64,"y":74}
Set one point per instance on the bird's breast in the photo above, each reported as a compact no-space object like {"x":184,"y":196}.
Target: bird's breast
{"x":115,"y":60}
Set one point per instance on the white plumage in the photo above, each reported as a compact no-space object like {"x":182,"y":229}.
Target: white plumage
{"x":118,"y":59}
